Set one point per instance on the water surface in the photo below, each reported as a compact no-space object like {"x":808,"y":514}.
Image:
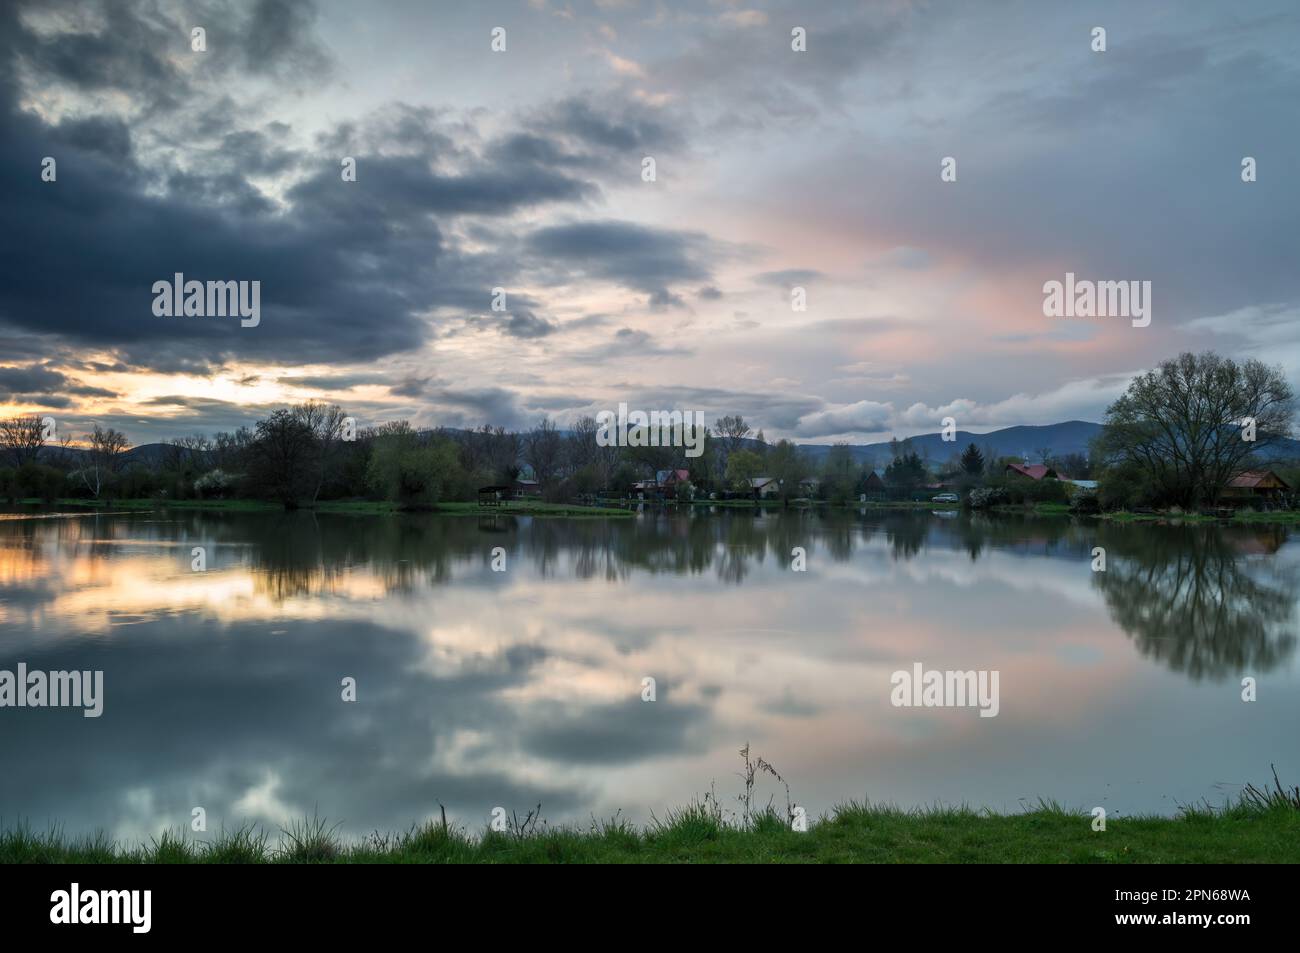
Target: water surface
{"x":478,"y":689}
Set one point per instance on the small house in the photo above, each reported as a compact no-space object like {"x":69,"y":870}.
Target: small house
{"x":643,"y":489}
{"x":873,"y":487}
{"x":527,"y":488}
{"x":1257,"y":486}
{"x":669,"y":479}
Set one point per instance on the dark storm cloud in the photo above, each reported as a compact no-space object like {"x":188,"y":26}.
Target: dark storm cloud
{"x":101,"y":135}
{"x":402,"y":189}
{"x":17,"y":383}
{"x":347,"y":271}
{"x":638,"y":257}
{"x":525,"y":324}
{"x":278,"y":38}
{"x":138,"y":49}
{"x":401,"y":127}
{"x":41,"y":400}
{"x":131,"y":53}
{"x":31,"y":379}
{"x":519,"y":323}
{"x":410,"y":387}
{"x":336,"y":381}
{"x":615,"y":128}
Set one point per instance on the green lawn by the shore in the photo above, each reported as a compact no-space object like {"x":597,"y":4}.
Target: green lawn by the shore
{"x":853,"y":834}
{"x":628,"y":508}
{"x":1241,"y":516}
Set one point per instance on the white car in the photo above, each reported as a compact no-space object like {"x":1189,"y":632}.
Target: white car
{"x":946,"y":498}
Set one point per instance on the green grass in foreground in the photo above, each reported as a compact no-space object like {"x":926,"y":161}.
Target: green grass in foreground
{"x":854,"y":833}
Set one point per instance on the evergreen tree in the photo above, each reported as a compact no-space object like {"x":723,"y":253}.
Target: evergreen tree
{"x":972,"y":461}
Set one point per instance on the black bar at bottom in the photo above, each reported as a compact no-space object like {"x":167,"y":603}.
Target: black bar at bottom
{"x":333,"y":903}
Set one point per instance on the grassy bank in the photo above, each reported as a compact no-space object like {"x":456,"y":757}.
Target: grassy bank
{"x":854,"y":833}
{"x":851,"y":504}
{"x":1278,"y":516}
{"x":539,"y":508}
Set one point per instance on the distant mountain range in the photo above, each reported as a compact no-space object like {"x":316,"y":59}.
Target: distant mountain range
{"x":1026,"y":442}
{"x":1072,"y":436}
{"x":147,"y":454}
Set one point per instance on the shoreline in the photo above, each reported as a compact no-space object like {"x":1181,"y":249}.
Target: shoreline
{"x":628,"y":508}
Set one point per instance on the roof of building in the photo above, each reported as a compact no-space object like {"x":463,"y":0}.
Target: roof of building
{"x":1252,"y":479}
{"x":1035,"y":471}
{"x":759,"y":482}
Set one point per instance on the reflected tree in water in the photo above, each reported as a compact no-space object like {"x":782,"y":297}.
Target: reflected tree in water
{"x":1198,"y":599}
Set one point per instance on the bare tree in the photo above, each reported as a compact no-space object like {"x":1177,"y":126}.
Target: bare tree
{"x":21,"y":439}
{"x":732,"y":432}
{"x":583,"y":450}
{"x":230,"y":450}
{"x":104,"y":458}
{"x":283,"y":458}
{"x":543,"y":448}
{"x":507,"y":446}
{"x":325,"y":421}
{"x":184,"y":452}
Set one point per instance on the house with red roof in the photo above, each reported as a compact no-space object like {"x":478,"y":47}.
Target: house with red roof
{"x":668,"y":479}
{"x":1257,"y":486}
{"x":1035,"y":471}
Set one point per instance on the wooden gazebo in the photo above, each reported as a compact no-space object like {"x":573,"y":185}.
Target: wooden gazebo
{"x":494,"y":495}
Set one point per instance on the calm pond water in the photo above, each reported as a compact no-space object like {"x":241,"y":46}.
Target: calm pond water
{"x":477,"y":688}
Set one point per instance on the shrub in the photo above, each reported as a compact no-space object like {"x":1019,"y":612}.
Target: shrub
{"x":414,"y":475}
{"x":983,"y":497}
{"x":1085,"y":503}
{"x":214,"y":485}
{"x":1125,"y":487}
{"x":37,"y":480}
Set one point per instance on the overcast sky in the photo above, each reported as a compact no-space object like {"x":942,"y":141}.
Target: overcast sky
{"x":522,"y":169}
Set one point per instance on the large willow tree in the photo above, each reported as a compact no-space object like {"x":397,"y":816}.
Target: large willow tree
{"x":1187,"y":424}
